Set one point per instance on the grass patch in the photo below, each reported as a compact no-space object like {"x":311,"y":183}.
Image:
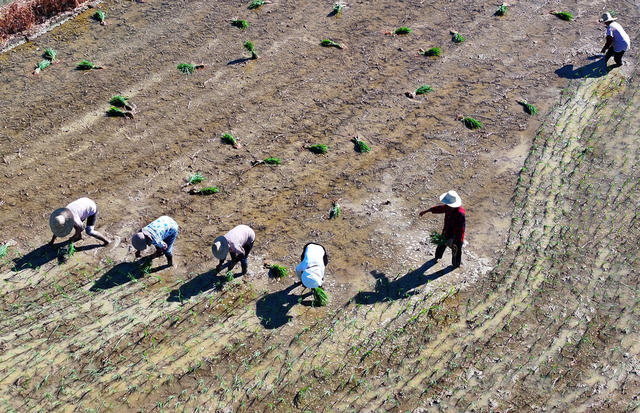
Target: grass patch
{"x":434,"y":51}
{"x":50,"y":54}
{"x":502,"y":10}
{"x":241,"y":24}
{"x":319,"y":149}
{"x":562,"y":15}
{"x":471,"y":123}
{"x":320,"y":297}
{"x":458,"y":38}
{"x":330,"y":43}
{"x":278,"y":271}
{"x":437,"y":238}
{"x":528,"y":107}
{"x":402,"y":30}
{"x":272,"y":161}
{"x":86,"y":65}
{"x":335,"y":211}
{"x":251,"y":48}
{"x":100,"y":16}
{"x":360,"y":145}
{"x":424,"y":89}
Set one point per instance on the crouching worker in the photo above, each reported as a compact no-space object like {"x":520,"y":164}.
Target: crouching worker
{"x":161,"y":233}
{"x":454,"y":226}
{"x":314,"y":259}
{"x":62,"y":220}
{"x":237,"y":242}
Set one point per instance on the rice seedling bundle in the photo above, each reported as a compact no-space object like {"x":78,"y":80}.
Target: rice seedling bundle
{"x":471,"y":123}
{"x":3,"y":250}
{"x":50,"y":54}
{"x":437,"y":238}
{"x":71,"y":249}
{"x":529,"y":108}
{"x":337,"y":8}
{"x":119,"y":101}
{"x":99,"y":15}
{"x":318,"y":148}
{"x":563,"y":15}
{"x":43,"y":65}
{"x":116,"y":112}
{"x":502,"y":10}
{"x":402,"y":30}
{"x":335,"y":211}
{"x":228,"y":139}
{"x":186,"y":68}
{"x":320,"y":297}
{"x":279,"y":271}
{"x":360,"y":145}
{"x":86,"y":65}
{"x":257,"y":3}
{"x":241,"y":24}
{"x":424,"y":89}
{"x":457,"y":38}
{"x":230,"y":276}
{"x":272,"y":161}
{"x":434,"y":51}
{"x":196,"y":179}
{"x":209,"y":190}
{"x":330,"y":43}
{"x":249,"y":46}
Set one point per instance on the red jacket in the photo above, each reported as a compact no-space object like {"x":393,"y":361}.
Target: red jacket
{"x":454,"y":221}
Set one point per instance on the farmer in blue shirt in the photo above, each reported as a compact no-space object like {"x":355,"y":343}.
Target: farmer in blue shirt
{"x":161,"y":233}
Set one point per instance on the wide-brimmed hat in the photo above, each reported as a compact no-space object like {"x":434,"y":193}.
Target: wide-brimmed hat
{"x":220,"y":247}
{"x":451,"y":198}
{"x":139,"y":241}
{"x":61,"y":222}
{"x":607,"y":17}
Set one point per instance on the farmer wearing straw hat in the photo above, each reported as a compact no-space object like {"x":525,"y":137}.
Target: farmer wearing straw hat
{"x":63,"y":220}
{"x":237,"y":242}
{"x":161,"y":233}
{"x":454,"y":225}
{"x":313,"y":262}
{"x":617,"y":42}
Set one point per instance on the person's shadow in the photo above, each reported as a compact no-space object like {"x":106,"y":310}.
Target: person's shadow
{"x":124,"y":273}
{"x":272,"y":309}
{"x":209,"y":280}
{"x":597,"y":68}
{"x":45,"y":253}
{"x":402,"y":287}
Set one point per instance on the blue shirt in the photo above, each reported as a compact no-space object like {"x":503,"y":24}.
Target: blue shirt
{"x":163,"y":228}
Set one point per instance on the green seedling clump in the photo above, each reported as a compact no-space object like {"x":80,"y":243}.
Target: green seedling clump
{"x":360,"y":145}
{"x":230,"y":276}
{"x":529,"y":108}
{"x":99,"y":15}
{"x":335,"y":211}
{"x":457,"y":38}
{"x":186,"y":68}
{"x":318,"y":148}
{"x":278,"y":271}
{"x":196,"y":179}
{"x":209,"y":190}
{"x":249,"y":46}
{"x":241,"y":24}
{"x":50,"y":54}
{"x":437,"y":238}
{"x":424,"y":89}
{"x":86,"y":65}
{"x":272,"y":161}
{"x":434,"y":51}
{"x":44,"y":64}
{"x":116,"y":112}
{"x":257,"y":3}
{"x":471,"y":123}
{"x":402,"y":30}
{"x":502,"y":10}
{"x":3,"y":250}
{"x":320,"y":297}
{"x":337,"y":8}
{"x":562,"y":15}
{"x":330,"y":43}
{"x":119,"y":101}
{"x":228,"y":139}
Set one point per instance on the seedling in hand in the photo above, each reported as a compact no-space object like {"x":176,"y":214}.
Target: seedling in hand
{"x":249,"y":46}
{"x":330,"y":43}
{"x":502,"y":10}
{"x":528,"y":107}
{"x":318,"y":149}
{"x":360,"y":145}
{"x":100,"y":16}
{"x":437,"y":238}
{"x":434,"y":51}
{"x":320,"y":297}
{"x":188,"y":68}
{"x":241,"y":24}
{"x":257,"y":4}
{"x":230,"y":140}
{"x":562,"y":15}
{"x":86,"y":65}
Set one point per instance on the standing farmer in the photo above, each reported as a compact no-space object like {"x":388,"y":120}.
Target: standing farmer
{"x":161,"y":233}
{"x":62,"y":220}
{"x":311,"y":269}
{"x":238,"y":242}
{"x":454,"y":225}
{"x":617,"y":42}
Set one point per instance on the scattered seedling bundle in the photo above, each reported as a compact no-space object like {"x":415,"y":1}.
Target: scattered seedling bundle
{"x":337,"y":8}
{"x":188,"y":68}
{"x":278,"y":271}
{"x":49,"y":56}
{"x":86,"y":65}
{"x":100,"y":16}
{"x":330,"y":43}
{"x":228,"y":139}
{"x":120,"y":107}
{"x":207,"y":190}
{"x":320,"y":297}
{"x":528,"y":107}
{"x":424,"y":89}
{"x":119,"y":113}
{"x":562,"y":15}
{"x":434,"y":51}
{"x":195,"y":179}
{"x":120,"y":102}
{"x":249,"y":46}
{"x":335,"y":210}
{"x":457,"y":37}
{"x":471,"y":123}
{"x":257,"y":4}
{"x":360,"y":145}
{"x":241,"y":24}
{"x":272,"y":161}
{"x":502,"y":10}
{"x":3,"y":250}
{"x":318,"y":149}
{"x":402,"y":30}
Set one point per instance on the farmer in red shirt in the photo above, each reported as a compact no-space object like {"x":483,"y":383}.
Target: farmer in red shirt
{"x":454,"y":225}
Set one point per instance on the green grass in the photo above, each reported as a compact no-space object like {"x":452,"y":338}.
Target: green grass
{"x":272,"y":161}
{"x":186,"y":68}
{"x":196,"y":178}
{"x":251,"y":48}
{"x":86,"y":65}
{"x":99,"y":15}
{"x":241,"y":24}
{"x":502,"y":10}
{"x":3,"y":250}
{"x":318,"y":148}
{"x":471,"y":123}
{"x":335,"y":211}
{"x":402,"y":30}
{"x":424,"y":89}
{"x":320,"y":297}
{"x":119,"y":101}
{"x":330,"y":43}
{"x":278,"y":271}
{"x":209,"y":190}
{"x":563,"y":15}
{"x":361,"y":146}
{"x":434,"y":51}
{"x":256,"y":4}
{"x":458,"y":38}
{"x":44,"y":64}
{"x":228,"y":139}
{"x":437,"y":238}
{"x":50,"y":54}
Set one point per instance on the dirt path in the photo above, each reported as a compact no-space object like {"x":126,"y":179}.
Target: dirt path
{"x":99,"y":333}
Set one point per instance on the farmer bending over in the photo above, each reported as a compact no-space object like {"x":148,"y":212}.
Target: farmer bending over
{"x":617,"y":42}
{"x":238,"y":242}
{"x":454,"y":225}
{"x":311,"y":269}
{"x":62,"y":220}
{"x":161,"y":233}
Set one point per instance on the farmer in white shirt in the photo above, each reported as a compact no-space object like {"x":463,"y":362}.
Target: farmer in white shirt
{"x":238,"y":243}
{"x":617,"y":42}
{"x":311,"y":269}
{"x":63,"y":220}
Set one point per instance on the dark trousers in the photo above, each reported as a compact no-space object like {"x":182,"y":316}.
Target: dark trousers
{"x":456,"y":253}
{"x":617,"y":56}
{"x":242,"y":258}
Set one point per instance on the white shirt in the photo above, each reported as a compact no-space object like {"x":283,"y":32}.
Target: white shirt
{"x":311,"y":269}
{"x":82,"y":209}
{"x":621,"y":41}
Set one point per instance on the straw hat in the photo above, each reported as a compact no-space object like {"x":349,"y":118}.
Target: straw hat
{"x":220,"y":247}
{"x":139,"y":241}
{"x":451,"y":198}
{"x":61,"y":222}
{"x":607,"y":18}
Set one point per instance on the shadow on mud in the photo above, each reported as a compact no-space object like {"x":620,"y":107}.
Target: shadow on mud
{"x":238,"y":61}
{"x":273,"y":309}
{"x":597,"y":68}
{"x":209,"y":280}
{"x":124,"y":273}
{"x":45,"y":253}
{"x":400,"y":288}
